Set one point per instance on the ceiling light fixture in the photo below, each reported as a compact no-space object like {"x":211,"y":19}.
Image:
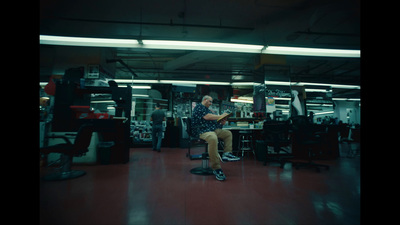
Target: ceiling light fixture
{"x":195,"y":45}
{"x":286,"y":83}
{"x":283,"y":83}
{"x":317,"y":90}
{"x":89,"y":42}
{"x":241,"y":100}
{"x":278,"y":50}
{"x":327,"y":112}
{"x":345,"y":86}
{"x":177,"y":82}
{"x":202,"y":46}
{"x":136,"y":86}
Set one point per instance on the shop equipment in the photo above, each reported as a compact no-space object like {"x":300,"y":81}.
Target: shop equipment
{"x":307,"y":143}
{"x":68,"y":151}
{"x":276,"y":135}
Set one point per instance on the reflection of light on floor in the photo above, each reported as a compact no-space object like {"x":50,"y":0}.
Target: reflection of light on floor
{"x":138,"y":217}
{"x":322,"y":207}
{"x":280,"y":174}
{"x":335,"y":208}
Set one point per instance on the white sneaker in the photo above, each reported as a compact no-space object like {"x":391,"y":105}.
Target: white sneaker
{"x":219,"y":174}
{"x":229,"y":157}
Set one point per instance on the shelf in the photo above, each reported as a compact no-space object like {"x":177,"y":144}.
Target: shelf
{"x":233,"y":119}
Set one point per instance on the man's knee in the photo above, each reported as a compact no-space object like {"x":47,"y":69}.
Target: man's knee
{"x":225,"y":134}
{"x":210,"y":137}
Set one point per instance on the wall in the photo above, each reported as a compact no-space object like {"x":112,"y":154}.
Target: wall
{"x":342,"y":110}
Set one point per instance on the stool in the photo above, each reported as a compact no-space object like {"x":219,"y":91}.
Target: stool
{"x":246,"y":142}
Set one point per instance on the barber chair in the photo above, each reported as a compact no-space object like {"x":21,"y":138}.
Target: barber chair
{"x":306,"y":143}
{"x":204,"y":169}
{"x":276,"y":134}
{"x":68,"y":151}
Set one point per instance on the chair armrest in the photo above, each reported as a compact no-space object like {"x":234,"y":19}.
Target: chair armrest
{"x":62,"y":137}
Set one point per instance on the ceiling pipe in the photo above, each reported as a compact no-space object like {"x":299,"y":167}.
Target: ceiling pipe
{"x":171,"y":23}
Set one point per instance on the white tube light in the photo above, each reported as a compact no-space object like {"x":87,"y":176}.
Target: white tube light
{"x":202,"y":46}
{"x":89,"y":42}
{"x":283,"y":83}
{"x":135,"y":81}
{"x":279,"y":98}
{"x":278,"y":50}
{"x":136,"y":86}
{"x":139,"y":95}
{"x":317,"y":90}
{"x":322,"y":105}
{"x":241,"y":100}
{"x":327,"y":112}
{"x":193,"y":82}
{"x":346,"y":99}
{"x":243,"y":83}
{"x":194,"y":45}
{"x":344,"y":86}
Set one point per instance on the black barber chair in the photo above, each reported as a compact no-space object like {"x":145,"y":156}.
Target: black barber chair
{"x":204,"y":169}
{"x":276,"y":134}
{"x":68,"y":151}
{"x":307,"y":143}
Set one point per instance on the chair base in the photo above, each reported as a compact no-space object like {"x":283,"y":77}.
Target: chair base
{"x":279,"y":159}
{"x":316,"y":166}
{"x":202,"y":171}
{"x":64,"y":175}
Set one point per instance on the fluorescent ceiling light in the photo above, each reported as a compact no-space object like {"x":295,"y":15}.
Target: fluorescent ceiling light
{"x":202,"y":46}
{"x":176,"y":82}
{"x":241,"y":100}
{"x":90,"y":42}
{"x":278,"y":98}
{"x":195,"y":45}
{"x":193,"y":82}
{"x":285,"y":83}
{"x":139,"y":95}
{"x":345,"y":86}
{"x":136,"y":86}
{"x":319,"y":104}
{"x":102,"y":101}
{"x":278,"y":50}
{"x":135,"y":81}
{"x":346,"y":99}
{"x":328,"y":112}
{"x":243,"y":83}
{"x":317,"y":90}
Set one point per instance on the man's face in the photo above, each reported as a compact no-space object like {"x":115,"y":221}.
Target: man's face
{"x":208,"y":102}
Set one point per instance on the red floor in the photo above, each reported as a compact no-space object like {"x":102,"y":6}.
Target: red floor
{"x":157,"y":188}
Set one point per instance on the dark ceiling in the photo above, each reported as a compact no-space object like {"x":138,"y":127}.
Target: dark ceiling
{"x":296,"y":23}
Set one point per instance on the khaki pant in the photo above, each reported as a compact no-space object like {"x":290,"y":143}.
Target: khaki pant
{"x":212,"y":140}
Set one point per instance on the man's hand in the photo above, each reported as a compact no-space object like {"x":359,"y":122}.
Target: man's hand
{"x":223,"y":121}
{"x":224,"y":114}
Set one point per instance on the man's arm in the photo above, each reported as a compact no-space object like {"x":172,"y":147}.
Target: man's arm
{"x":213,"y":117}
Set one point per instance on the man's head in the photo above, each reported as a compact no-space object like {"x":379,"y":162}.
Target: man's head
{"x":157,"y":105}
{"x":207,"y":101}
